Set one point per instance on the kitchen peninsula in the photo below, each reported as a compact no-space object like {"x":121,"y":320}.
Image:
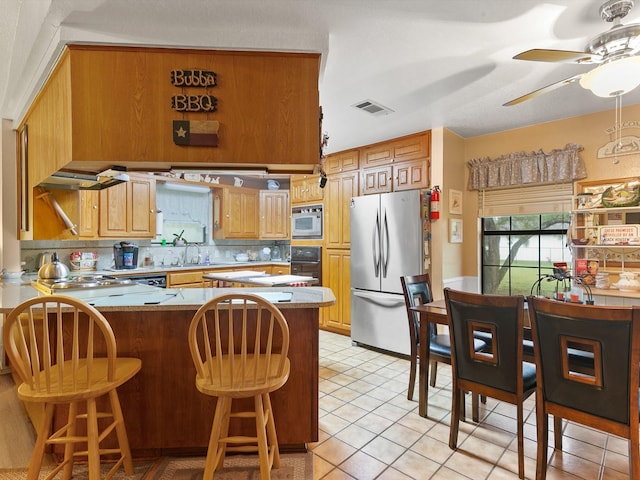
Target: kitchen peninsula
{"x":164,"y":412}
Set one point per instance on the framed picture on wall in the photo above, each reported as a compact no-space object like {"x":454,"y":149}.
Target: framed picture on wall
{"x":455,"y":202}
{"x":455,"y":230}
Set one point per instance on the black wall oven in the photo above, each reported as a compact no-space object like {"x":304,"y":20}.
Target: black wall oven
{"x":307,"y":261}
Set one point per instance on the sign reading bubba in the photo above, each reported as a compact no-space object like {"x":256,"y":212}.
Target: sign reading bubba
{"x":193,"y":78}
{"x":194,"y":132}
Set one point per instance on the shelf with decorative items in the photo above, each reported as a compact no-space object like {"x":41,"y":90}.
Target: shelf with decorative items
{"x":605,"y":235}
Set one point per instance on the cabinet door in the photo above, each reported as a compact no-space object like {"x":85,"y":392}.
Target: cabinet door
{"x":185,"y":279}
{"x":88,"y":214}
{"x":337,"y":276}
{"x":280,"y":270}
{"x":376,"y":155}
{"x":113,"y":211}
{"x":305,"y":188}
{"x":314,"y":192}
{"x":128,"y":209}
{"x":411,"y":175}
{"x":297,"y":188}
{"x":142,"y":207}
{"x":339,"y":190}
{"x":342,"y":162}
{"x":376,"y":180}
{"x":240,"y":213}
{"x":412,"y":147}
{"x":274,"y":215}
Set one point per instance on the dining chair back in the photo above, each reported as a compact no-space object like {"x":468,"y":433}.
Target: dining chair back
{"x":64,"y":352}
{"x":239,"y":345}
{"x":606,"y":397}
{"x":417,"y":291}
{"x":498,"y":371}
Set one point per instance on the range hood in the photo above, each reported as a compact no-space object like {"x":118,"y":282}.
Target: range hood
{"x":85,"y":181}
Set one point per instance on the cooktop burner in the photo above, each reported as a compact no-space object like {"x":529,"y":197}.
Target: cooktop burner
{"x":80,"y":282}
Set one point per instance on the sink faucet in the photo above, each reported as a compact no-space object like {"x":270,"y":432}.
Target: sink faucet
{"x":191,"y":259}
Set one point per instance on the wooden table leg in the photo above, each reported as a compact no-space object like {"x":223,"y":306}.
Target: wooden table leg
{"x":423,"y":365}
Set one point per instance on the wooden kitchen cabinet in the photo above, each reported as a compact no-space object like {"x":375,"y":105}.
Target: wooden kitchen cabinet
{"x":400,"y":164}
{"x":127,"y":210}
{"x":192,"y":279}
{"x":376,"y":180}
{"x":280,"y":270}
{"x":130,"y":89}
{"x":348,"y":161}
{"x":275,"y":217}
{"x":411,"y":175}
{"x":89,"y":213}
{"x":235,"y":213}
{"x":338,"y":192}
{"x":336,"y":275}
{"x":80,"y":206}
{"x":305,"y":189}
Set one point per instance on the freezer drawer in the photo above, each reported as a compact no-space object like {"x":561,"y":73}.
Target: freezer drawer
{"x":380,"y":320}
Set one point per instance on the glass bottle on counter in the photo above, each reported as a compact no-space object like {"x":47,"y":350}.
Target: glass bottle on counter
{"x":148,"y":261}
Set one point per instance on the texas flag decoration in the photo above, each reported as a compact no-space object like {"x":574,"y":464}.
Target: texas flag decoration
{"x":199,"y":133}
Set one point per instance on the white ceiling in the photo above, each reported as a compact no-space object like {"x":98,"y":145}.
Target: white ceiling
{"x":435,"y":63}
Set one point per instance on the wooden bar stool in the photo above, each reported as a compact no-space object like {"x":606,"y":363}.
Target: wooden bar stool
{"x":239,"y":345}
{"x":64,"y":351}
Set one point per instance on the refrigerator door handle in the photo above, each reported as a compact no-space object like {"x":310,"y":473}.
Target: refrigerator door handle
{"x":384,"y":248}
{"x":376,"y":246}
{"x":386,"y":301}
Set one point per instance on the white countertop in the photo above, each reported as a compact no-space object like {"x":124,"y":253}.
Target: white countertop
{"x":145,"y":297}
{"x":257,"y":278}
{"x":169,"y":268}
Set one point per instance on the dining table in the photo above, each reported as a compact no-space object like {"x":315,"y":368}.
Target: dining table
{"x":436,"y":312}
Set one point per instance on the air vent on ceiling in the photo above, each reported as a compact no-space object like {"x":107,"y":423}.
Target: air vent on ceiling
{"x":372,"y":107}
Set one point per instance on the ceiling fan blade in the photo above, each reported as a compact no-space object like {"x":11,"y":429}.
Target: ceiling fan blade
{"x":543,"y":90}
{"x":567,"y":56}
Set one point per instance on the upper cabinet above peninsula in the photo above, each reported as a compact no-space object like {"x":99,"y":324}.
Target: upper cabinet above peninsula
{"x":150,"y":109}
{"x":105,"y":106}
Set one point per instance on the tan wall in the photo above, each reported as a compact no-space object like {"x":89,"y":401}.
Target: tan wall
{"x":454,"y":178}
{"x":590,"y":131}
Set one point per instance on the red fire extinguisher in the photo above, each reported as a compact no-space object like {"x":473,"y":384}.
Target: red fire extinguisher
{"x":435,"y":203}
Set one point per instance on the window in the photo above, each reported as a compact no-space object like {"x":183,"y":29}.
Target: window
{"x":518,"y":249}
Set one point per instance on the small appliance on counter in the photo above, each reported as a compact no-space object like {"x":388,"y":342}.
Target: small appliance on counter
{"x":83,"y":261}
{"x":125,"y":255}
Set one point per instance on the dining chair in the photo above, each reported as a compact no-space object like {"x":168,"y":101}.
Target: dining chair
{"x":64,"y":352}
{"x":606,"y":398}
{"x":239,"y":345}
{"x":498,"y":371}
{"x":417,"y":291}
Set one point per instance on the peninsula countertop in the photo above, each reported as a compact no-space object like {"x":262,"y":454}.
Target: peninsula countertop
{"x":145,"y":297}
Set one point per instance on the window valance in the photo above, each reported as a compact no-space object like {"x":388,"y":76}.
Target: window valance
{"x":557,"y":166}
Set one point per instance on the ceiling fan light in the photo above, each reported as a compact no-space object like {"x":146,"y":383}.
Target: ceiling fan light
{"x":613,"y":78}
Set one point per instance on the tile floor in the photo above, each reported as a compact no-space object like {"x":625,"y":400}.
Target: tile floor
{"x":369,"y":430}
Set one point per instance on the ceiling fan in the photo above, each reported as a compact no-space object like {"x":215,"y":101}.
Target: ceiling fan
{"x":614,"y":50}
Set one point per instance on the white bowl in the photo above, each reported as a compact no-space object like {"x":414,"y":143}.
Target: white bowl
{"x":242,"y":257}
{"x":12,"y":275}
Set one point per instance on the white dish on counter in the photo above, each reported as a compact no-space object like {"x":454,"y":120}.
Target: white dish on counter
{"x":626,"y":287}
{"x":12,"y":275}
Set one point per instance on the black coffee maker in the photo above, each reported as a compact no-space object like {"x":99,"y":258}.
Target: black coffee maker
{"x":125,"y":255}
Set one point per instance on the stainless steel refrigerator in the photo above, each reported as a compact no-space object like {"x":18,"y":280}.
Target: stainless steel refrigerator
{"x":389,"y":239}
